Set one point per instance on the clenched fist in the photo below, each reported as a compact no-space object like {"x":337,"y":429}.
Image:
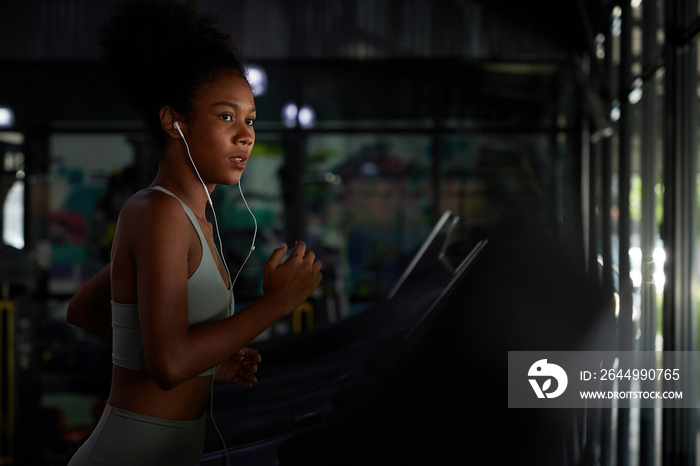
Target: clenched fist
{"x":290,"y":282}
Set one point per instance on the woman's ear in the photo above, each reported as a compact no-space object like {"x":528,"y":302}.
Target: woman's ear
{"x":168,"y":117}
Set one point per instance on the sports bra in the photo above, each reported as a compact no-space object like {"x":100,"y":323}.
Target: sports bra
{"x":208,"y":300}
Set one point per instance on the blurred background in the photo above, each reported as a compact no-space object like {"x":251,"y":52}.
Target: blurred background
{"x":477,"y":176}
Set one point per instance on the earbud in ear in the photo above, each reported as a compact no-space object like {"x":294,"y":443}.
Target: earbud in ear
{"x":176,"y":125}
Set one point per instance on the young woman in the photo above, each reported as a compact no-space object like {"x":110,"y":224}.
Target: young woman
{"x":171,"y":294}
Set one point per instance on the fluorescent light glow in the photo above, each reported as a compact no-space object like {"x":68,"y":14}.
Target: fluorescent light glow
{"x":13,"y":216}
{"x":615,"y":113}
{"x":307,"y":117}
{"x":289,"y":115}
{"x":636,"y":93}
{"x":257,"y":77}
{"x":293,"y":115}
{"x":7,"y":117}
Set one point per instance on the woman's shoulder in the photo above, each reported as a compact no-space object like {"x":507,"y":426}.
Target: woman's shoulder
{"x":152,"y":222}
{"x":149,"y":207}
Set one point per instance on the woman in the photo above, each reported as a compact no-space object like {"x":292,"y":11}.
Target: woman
{"x":171,"y":293}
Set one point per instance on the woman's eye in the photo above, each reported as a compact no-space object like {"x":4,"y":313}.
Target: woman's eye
{"x":226,"y":117}
{"x":250,"y":121}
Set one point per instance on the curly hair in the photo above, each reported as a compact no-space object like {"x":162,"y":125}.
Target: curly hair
{"x":162,"y":52}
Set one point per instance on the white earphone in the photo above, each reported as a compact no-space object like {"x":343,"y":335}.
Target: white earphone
{"x":176,"y":125}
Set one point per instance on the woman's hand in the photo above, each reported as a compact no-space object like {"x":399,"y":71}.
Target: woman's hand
{"x":289,"y":283}
{"x":240,"y":368}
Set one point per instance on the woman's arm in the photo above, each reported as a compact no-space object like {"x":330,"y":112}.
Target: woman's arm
{"x":173,"y":351}
{"x":90,"y":307}
{"x":174,"y":354}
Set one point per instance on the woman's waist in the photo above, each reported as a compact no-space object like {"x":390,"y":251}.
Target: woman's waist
{"x":135,"y":391}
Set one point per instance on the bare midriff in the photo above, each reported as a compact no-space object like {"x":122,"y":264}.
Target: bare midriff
{"x":135,"y":391}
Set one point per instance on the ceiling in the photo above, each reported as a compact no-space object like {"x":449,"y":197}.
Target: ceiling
{"x":331,"y":29}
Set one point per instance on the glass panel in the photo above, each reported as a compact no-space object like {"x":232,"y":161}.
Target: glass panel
{"x":615,"y":209}
{"x":400,"y":96}
{"x":367,"y":206}
{"x":695,"y":145}
{"x":693,"y":8}
{"x":654,"y":36}
{"x":508,"y":96}
{"x":92,"y":175}
{"x":517,"y":167}
{"x":654,"y":253}
{"x":646,"y":212}
{"x":636,"y":43}
{"x":646,"y":251}
{"x":647,"y":33}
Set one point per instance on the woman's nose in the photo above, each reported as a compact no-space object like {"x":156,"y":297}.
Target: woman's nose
{"x":245,"y":135}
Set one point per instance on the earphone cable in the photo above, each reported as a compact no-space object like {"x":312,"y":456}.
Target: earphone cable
{"x":228,"y":273}
{"x":211,"y":414}
{"x":255,"y":233}
{"x":211,"y":204}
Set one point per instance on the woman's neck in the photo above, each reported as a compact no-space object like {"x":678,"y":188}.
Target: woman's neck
{"x":181,"y":180}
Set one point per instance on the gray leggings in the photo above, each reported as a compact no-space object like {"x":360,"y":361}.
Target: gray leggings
{"x":125,"y":438}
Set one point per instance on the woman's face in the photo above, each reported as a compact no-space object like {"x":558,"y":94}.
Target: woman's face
{"x":220,"y":132}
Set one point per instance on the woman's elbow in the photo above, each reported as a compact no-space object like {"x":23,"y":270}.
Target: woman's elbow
{"x":166,"y":374}
{"x":74,"y":316}
{"x":165,"y":383}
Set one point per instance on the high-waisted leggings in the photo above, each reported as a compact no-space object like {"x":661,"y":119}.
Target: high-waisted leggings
{"x":126,"y":438}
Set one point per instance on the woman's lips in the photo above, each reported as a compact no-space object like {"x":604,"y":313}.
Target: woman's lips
{"x":239,"y":161}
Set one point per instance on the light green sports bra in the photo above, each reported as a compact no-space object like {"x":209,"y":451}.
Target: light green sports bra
{"x":208,"y":300}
